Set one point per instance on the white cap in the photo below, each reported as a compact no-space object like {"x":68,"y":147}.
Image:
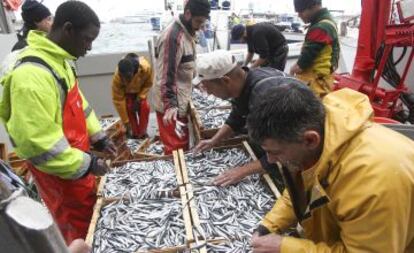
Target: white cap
{"x":214,"y":65}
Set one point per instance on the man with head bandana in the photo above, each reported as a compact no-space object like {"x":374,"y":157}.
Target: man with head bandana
{"x":175,"y":66}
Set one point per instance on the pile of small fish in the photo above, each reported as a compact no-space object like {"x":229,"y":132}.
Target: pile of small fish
{"x":108,"y":122}
{"x":204,"y":101}
{"x":131,"y":227}
{"x":229,"y":247}
{"x":134,"y":144}
{"x":141,"y":180}
{"x":231,"y":212}
{"x":156,"y":148}
{"x":213,"y":118}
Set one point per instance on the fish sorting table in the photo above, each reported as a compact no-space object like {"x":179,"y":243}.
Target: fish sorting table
{"x":203,"y":101}
{"x":141,"y":180}
{"x":169,"y":204}
{"x":140,"y":225}
{"x":213,"y":118}
{"x":231,"y":212}
{"x":107,"y":123}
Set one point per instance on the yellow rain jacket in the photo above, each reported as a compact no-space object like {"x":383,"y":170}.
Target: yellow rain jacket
{"x":361,"y":190}
{"x":141,"y":84}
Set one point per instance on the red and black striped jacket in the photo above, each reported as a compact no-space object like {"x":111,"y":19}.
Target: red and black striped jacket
{"x":174,"y":69}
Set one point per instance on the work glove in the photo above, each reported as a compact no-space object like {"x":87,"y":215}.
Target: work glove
{"x":128,"y":131}
{"x":98,"y":166}
{"x":261,"y":230}
{"x":106,"y":145}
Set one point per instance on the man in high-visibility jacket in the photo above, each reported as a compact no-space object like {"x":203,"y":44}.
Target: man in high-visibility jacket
{"x":130,"y":86}
{"x":49,"y":121}
{"x":320,"y":51}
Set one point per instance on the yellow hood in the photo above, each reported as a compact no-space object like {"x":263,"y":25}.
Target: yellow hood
{"x":348,"y":112}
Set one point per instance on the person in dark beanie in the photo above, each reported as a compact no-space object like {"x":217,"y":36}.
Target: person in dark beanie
{"x":35,"y":16}
{"x":175,"y":68}
{"x":51,"y":123}
{"x":320,"y":51}
{"x":265,"y":40}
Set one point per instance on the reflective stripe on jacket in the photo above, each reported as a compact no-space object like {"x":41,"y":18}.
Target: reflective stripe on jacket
{"x":31,"y":109}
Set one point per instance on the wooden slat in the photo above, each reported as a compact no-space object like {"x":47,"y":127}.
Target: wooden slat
{"x":143,"y":147}
{"x":177,"y":166}
{"x":183,"y":166}
{"x":94,"y":221}
{"x":3,"y":152}
{"x":101,"y":185}
{"x":195,"y":120}
{"x":196,"y":116}
{"x":186,"y":215}
{"x":121,"y":163}
{"x":194,"y":215}
{"x":266,"y":176}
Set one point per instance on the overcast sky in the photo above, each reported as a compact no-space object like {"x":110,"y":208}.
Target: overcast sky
{"x":108,"y":9}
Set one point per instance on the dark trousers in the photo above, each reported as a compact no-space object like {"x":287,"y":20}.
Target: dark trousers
{"x":278,"y":61}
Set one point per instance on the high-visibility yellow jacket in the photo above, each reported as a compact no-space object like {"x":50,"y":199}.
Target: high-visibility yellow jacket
{"x":31,"y":110}
{"x":361,"y":190}
{"x":141,"y":84}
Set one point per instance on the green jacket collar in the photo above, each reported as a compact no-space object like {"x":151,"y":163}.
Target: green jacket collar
{"x":321,"y":15}
{"x":37,"y":40}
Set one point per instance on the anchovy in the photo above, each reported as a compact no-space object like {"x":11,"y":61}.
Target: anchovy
{"x":213,"y":118}
{"x":134,"y":144}
{"x":203,"y":101}
{"x":137,"y":226}
{"x":156,"y":148}
{"x":108,"y":122}
{"x":141,"y":180}
{"x":231,"y":212}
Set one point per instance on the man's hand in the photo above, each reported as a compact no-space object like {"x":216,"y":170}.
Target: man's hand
{"x":295,"y":69}
{"x":266,"y":244}
{"x":110,"y":148}
{"x":98,"y":166}
{"x":106,"y":145}
{"x":128,"y":131}
{"x":204,"y":145}
{"x":79,"y":246}
{"x":170,"y":116}
{"x":231,"y":176}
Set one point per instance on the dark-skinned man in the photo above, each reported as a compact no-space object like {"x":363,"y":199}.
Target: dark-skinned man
{"x":130,"y":86}
{"x":175,"y":69}
{"x":51,"y":124}
{"x":320,"y":51}
{"x":349,"y":181}
{"x":265,"y":40}
{"x":220,"y":75}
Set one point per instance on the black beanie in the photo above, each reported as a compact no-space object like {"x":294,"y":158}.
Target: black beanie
{"x":34,"y":12}
{"x":198,"y":8}
{"x":237,"y":32}
{"x":301,"y":5}
{"x":126,"y":67}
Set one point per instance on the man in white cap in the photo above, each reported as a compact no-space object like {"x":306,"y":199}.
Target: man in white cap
{"x":221,"y":76}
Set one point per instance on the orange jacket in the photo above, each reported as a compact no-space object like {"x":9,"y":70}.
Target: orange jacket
{"x":140,"y":84}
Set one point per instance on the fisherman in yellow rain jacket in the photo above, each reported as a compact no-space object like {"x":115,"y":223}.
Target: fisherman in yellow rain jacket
{"x":130,"y":86}
{"x":349,"y":181}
